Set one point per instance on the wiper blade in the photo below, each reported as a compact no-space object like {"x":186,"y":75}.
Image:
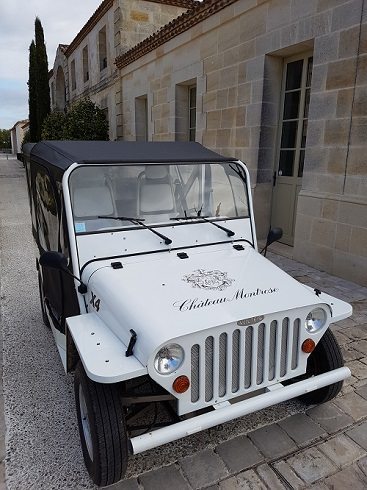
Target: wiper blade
{"x":139,"y":221}
{"x":205,"y":218}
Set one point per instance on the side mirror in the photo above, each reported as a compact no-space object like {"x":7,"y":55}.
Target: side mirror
{"x":274,"y":235}
{"x":54,"y":260}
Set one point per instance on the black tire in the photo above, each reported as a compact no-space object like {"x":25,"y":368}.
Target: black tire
{"x":44,"y":314}
{"x":324,"y":358}
{"x":108,"y":441}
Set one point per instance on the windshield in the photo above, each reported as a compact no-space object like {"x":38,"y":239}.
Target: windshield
{"x":155,"y":194}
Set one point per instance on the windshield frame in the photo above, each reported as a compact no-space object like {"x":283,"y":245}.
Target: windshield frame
{"x":172,"y":222}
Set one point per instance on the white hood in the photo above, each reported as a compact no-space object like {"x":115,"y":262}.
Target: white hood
{"x":162,"y":296}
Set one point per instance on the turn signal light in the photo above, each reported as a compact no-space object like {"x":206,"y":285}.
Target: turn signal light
{"x":308,"y":346}
{"x":181,"y":384}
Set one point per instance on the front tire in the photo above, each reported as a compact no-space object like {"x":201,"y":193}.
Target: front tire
{"x":326,"y":357}
{"x":102,"y":429}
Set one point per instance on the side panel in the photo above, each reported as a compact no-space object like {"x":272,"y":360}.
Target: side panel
{"x":101,"y":352}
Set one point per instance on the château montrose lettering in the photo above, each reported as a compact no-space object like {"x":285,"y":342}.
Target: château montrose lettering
{"x":240,"y":294}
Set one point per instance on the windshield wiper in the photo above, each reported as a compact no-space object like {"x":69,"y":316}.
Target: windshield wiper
{"x":138,"y":221}
{"x":205,"y":218}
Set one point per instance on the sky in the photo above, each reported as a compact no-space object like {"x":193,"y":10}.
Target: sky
{"x":61,"y":21}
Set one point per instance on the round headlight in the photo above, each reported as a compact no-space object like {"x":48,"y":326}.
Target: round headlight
{"x":169,"y":359}
{"x":315,"y":320}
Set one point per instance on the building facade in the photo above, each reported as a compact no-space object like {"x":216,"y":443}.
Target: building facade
{"x":279,"y":84}
{"x":17,"y":135}
{"x":86,"y":67}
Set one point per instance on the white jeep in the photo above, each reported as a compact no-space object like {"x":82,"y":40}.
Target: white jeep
{"x":151,"y":281}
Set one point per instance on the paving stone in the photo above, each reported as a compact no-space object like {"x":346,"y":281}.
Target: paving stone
{"x":359,"y":435}
{"x":269,"y":477}
{"x":330,"y":417}
{"x":272,"y":441}
{"x":348,"y":478}
{"x":360,"y":345}
{"x":249,"y":480}
{"x":311,"y":465}
{"x":349,"y":354}
{"x":166,"y":477}
{"x":229,"y":484}
{"x":288,"y":474}
{"x":318,"y":486}
{"x":239,"y":454}
{"x":359,"y":370}
{"x":362,"y":391}
{"x":203,"y":469}
{"x":131,"y":484}
{"x":362,"y":464}
{"x":353,"y":405}
{"x":341,"y":450}
{"x":301,"y":428}
{"x":357,"y":332}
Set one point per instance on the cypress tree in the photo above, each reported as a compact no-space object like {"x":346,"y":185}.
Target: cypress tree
{"x":32,"y":90}
{"x":43,"y":90}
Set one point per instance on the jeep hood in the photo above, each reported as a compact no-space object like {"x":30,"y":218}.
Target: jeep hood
{"x":162,"y":296}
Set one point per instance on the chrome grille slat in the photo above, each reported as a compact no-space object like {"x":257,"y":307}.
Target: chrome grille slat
{"x":248,"y":346}
{"x":296,"y":346}
{"x":235,"y":360}
{"x":243,"y":359}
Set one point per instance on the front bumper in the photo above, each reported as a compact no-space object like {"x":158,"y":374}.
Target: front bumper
{"x":277,"y":394}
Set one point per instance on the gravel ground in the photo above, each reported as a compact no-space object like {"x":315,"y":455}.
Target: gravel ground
{"x":42,"y":443}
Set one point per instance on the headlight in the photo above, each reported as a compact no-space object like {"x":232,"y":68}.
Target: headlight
{"x":315,"y":320}
{"x":168,"y":359}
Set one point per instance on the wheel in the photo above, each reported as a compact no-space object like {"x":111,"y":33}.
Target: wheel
{"x":102,"y":428}
{"x":42,"y":301}
{"x":325,"y":357}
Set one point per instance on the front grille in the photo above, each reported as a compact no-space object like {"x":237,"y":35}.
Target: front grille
{"x":245,"y":359}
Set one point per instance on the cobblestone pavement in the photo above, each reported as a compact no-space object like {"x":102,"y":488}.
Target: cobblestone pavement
{"x":287,"y":446}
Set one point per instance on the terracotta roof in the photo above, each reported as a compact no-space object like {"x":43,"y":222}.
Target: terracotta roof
{"x":185,"y":21}
{"x":63,"y":47}
{"x":98,"y":14}
{"x":186,"y":4}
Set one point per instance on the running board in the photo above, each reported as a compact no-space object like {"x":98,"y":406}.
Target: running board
{"x":205,"y":421}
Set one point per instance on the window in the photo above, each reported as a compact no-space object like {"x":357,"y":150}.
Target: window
{"x":102,"y":48}
{"x":141,"y":118}
{"x":192,"y":113}
{"x":85,"y":64}
{"x":296,"y":99}
{"x":185,"y":119}
{"x":73,"y":79}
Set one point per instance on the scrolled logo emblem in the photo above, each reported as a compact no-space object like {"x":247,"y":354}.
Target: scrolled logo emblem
{"x":214,"y":280}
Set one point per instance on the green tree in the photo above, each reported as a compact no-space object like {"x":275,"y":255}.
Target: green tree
{"x":39,"y":92}
{"x":43,"y":90}
{"x":26,"y":138}
{"x":32,"y":93}
{"x":84,"y":121}
{"x":5,"y":141}
{"x":54,"y":126}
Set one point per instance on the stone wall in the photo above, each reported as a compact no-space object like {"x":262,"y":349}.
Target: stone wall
{"x":236,"y":58}
{"x":331,"y":227}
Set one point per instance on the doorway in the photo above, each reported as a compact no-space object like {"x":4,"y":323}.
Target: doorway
{"x":288,"y":172}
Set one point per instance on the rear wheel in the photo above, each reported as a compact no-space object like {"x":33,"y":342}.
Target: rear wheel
{"x":102,"y":429}
{"x":326,"y":357}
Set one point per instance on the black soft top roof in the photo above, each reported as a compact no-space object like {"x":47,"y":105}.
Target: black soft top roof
{"x":62,"y":154}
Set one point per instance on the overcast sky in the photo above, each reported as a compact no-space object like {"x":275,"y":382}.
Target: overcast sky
{"x":61,"y":20}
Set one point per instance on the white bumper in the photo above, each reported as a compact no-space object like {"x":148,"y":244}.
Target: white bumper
{"x":278,"y":394}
